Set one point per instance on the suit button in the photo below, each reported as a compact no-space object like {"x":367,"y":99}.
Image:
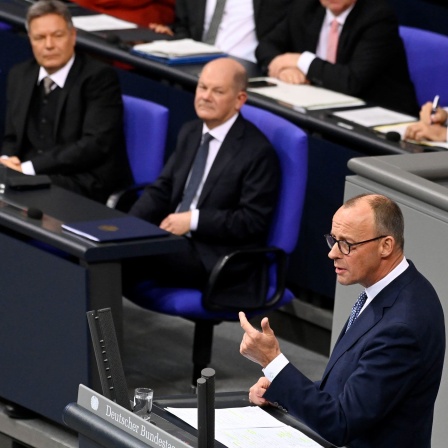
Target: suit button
{"x":44,"y":120}
{"x":40,"y":151}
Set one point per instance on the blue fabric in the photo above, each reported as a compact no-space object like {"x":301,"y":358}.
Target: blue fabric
{"x":291,"y":145}
{"x":145,"y":129}
{"x":427,"y":52}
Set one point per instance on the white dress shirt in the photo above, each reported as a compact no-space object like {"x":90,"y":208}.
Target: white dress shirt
{"x":219,"y":134}
{"x":277,"y":365}
{"x":307,"y":57}
{"x":236,"y":33}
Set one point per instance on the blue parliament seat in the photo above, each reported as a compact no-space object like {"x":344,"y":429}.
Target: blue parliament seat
{"x":428,"y":62}
{"x":291,"y":144}
{"x":145,"y":130}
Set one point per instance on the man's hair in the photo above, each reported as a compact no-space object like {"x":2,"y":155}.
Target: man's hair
{"x":387,"y":215}
{"x":44,"y":7}
{"x":241,"y":80}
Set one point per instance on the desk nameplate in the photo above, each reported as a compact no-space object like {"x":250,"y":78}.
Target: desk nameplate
{"x":125,"y":420}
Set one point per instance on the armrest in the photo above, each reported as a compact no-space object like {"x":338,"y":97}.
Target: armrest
{"x":241,"y":280}
{"x":124,"y":199}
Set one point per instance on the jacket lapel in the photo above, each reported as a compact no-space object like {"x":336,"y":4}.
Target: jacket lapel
{"x":368,"y":318}
{"x":71,"y":80}
{"x":25,"y":93}
{"x":226,"y":154}
{"x":192,"y":143}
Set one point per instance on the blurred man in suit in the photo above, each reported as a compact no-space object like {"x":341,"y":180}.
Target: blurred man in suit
{"x":382,"y":378}
{"x":225,"y":206}
{"x":350,"y":46}
{"x":243,"y":23}
{"x":64,"y":111}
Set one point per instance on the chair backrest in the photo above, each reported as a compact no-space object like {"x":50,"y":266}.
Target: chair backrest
{"x":145,"y":129}
{"x":427,"y":54}
{"x":291,"y":144}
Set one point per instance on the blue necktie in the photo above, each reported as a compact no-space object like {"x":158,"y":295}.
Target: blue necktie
{"x":357,"y":308}
{"x":197,"y":173}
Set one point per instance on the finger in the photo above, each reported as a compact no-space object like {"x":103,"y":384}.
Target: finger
{"x":265,"y":327}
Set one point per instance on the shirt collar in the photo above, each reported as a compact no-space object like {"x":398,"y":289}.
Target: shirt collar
{"x":219,"y":133}
{"x":59,"y":77}
{"x":375,"y":289}
{"x":341,"y":18}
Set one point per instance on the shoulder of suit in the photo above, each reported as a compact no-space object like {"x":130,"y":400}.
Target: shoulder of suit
{"x":29,"y":64}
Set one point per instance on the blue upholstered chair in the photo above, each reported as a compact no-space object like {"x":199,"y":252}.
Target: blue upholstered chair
{"x":145,"y":129}
{"x":291,"y":145}
{"x":428,"y":63}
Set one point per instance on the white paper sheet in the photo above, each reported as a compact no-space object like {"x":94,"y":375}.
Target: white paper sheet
{"x":177,"y":48}
{"x":248,"y":427}
{"x":305,"y":96}
{"x":374,"y":116}
{"x":98,"y":22}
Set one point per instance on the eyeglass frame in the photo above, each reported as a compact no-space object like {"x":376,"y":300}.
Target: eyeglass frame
{"x":350,"y":245}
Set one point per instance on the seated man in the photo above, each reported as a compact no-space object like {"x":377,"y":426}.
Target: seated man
{"x":383,"y":376}
{"x":242,"y":25}
{"x":349,"y":46}
{"x":432,"y":125}
{"x":220,"y":205}
{"x":64,"y":111}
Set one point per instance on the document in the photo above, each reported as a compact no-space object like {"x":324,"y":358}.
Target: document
{"x":100,"y":22}
{"x":248,"y":427}
{"x":178,"y":51}
{"x":401,"y":129}
{"x":374,"y":116}
{"x":115,"y":229}
{"x":303,"y":95}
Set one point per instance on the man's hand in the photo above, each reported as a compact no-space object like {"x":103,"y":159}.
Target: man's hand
{"x":293,"y":75}
{"x":12,"y":162}
{"x":177,"y":223}
{"x":421,"y":131}
{"x":257,"y":391}
{"x":161,"y":29}
{"x":282,"y":61}
{"x":427,"y":117}
{"x":260,"y":347}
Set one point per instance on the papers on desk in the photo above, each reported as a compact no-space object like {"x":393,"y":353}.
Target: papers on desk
{"x":374,"y":116}
{"x":304,"y":96}
{"x":100,"y":22}
{"x":182,"y":51}
{"x":401,"y":128}
{"x":249,"y":427}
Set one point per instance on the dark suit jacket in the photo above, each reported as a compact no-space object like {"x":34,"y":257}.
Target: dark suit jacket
{"x":238,"y":197}
{"x":370,"y":62}
{"x":89,"y":156}
{"x":190,"y":14}
{"x":381,"y":382}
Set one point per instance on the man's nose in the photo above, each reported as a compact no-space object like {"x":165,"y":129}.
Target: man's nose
{"x":334,"y":252}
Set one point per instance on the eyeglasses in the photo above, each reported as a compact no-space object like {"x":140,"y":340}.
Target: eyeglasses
{"x":344,"y":246}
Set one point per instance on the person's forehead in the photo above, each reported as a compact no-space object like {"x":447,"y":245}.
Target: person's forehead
{"x":356,"y":219}
{"x":48,"y":21}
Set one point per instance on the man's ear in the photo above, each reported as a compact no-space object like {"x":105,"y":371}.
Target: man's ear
{"x":387,"y":246}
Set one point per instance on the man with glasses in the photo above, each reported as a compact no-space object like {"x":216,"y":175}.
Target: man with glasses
{"x":382,"y":379}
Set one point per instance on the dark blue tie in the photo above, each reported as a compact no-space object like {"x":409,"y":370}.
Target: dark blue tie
{"x":197,"y":173}
{"x":357,"y":308}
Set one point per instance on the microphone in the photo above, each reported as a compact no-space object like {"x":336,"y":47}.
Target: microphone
{"x":34,"y":213}
{"x":116,"y":40}
{"x":393,"y":136}
{"x":30,"y":212}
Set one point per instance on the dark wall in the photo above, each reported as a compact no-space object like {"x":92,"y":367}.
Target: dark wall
{"x":427,"y":14}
